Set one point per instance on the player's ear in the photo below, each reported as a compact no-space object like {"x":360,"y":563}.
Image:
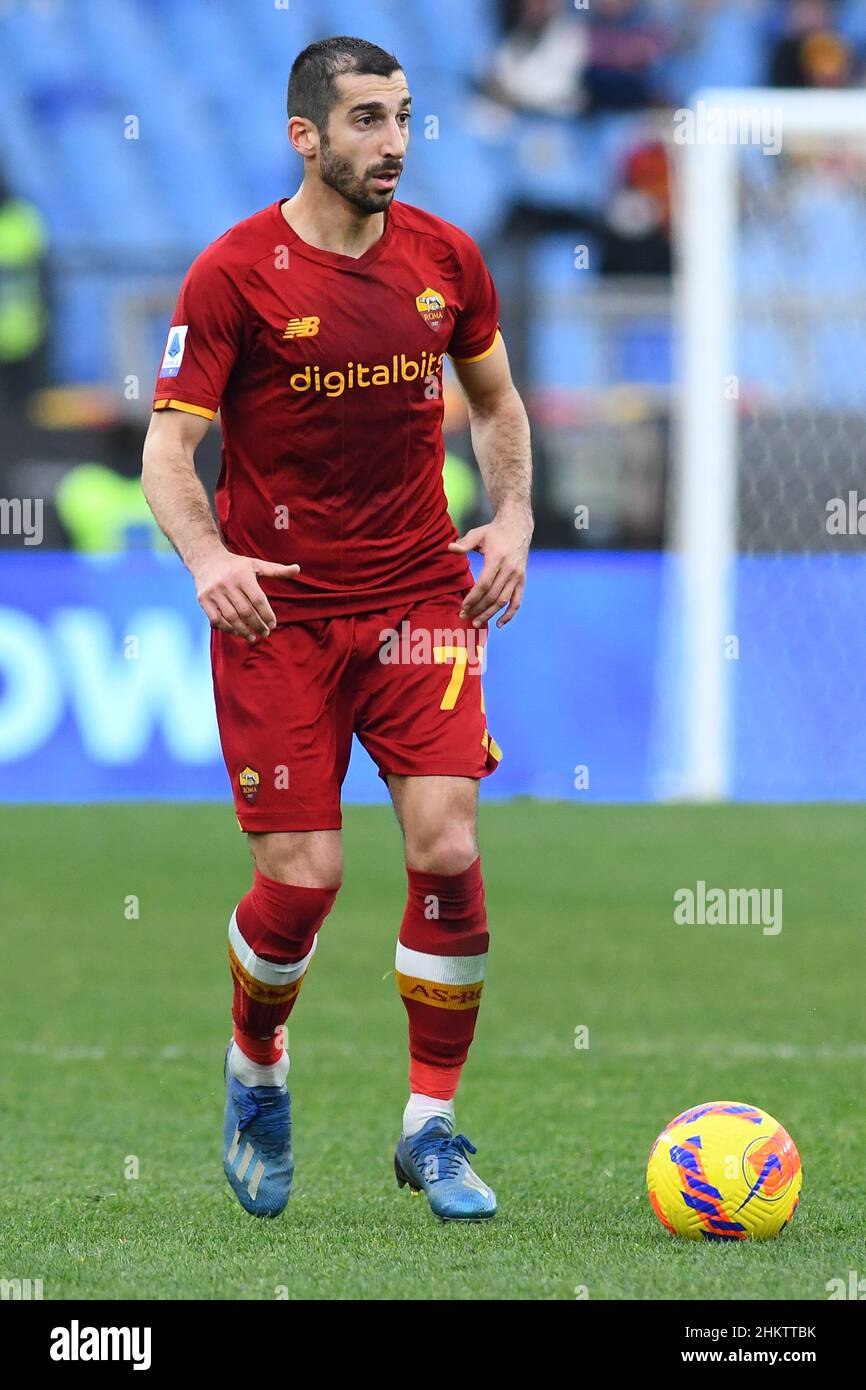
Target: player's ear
{"x":303,"y":136}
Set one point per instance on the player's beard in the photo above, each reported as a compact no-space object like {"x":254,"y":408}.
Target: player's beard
{"x":338,"y":174}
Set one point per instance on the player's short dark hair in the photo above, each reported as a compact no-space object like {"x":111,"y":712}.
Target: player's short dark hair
{"x":313,"y":80}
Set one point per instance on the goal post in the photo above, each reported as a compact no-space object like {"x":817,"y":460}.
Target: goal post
{"x":703,"y":521}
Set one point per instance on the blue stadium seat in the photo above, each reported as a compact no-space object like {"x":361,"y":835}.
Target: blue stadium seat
{"x":730,"y":51}
{"x":553,"y":164}
{"x":120,"y":209}
{"x":80,"y":344}
{"x":41,"y":45}
{"x":566,"y":351}
{"x":454,"y":37}
{"x":390,"y":23}
{"x":31,"y":167}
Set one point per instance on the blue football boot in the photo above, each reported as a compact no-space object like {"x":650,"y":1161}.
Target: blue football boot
{"x":434,"y":1161}
{"x":257,"y":1145}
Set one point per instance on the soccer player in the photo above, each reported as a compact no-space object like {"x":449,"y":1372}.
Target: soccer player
{"x":338,"y":591}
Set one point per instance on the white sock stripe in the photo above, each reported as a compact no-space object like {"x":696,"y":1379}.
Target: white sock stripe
{"x":267,"y":972}
{"x":442,"y":970}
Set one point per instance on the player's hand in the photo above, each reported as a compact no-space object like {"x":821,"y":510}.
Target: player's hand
{"x":228,"y":590}
{"x":504,"y":543}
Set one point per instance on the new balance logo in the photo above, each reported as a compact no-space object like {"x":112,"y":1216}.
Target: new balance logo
{"x":246,"y":1159}
{"x":302,"y":328}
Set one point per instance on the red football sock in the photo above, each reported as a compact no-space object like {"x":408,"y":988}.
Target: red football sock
{"x":272,"y":938}
{"x":265,"y":1051}
{"x":441,"y":956}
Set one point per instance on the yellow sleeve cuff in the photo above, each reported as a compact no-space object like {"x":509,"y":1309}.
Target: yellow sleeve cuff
{"x":185,"y":405}
{"x":481,"y":355}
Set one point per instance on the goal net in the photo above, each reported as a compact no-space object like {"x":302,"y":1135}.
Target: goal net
{"x":763,"y":674}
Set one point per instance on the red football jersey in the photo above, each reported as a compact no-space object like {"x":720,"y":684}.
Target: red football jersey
{"x":327,"y":372}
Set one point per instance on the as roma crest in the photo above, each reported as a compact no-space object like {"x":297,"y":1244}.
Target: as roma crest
{"x":431,"y":306}
{"x":249,"y":781}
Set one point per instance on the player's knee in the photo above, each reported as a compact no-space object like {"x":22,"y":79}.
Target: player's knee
{"x":448,"y":849}
{"x":312,"y":859}
{"x":278,"y":921}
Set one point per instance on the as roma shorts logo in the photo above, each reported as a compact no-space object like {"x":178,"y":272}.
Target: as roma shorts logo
{"x":431,"y":306}
{"x":249,"y":781}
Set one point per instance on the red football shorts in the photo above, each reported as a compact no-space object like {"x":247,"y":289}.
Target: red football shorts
{"x":406,"y":680}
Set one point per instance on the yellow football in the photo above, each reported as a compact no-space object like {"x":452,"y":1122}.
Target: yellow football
{"x":724,"y":1171}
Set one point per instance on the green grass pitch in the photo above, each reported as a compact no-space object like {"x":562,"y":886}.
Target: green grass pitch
{"x":113,"y":1031}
